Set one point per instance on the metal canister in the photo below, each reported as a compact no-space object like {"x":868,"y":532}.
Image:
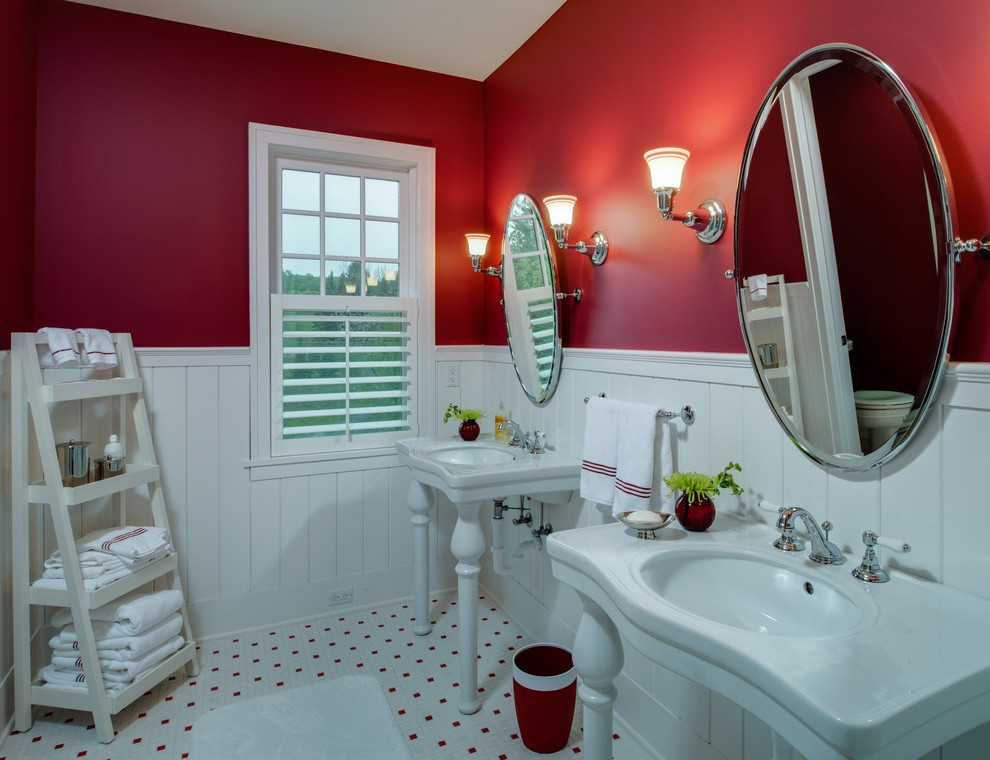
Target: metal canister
{"x":73,"y":462}
{"x":112,"y":466}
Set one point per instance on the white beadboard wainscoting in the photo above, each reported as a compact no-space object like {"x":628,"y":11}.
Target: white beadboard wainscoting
{"x":267,"y":543}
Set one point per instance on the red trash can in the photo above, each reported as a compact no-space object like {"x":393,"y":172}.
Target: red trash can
{"x":544,"y":683}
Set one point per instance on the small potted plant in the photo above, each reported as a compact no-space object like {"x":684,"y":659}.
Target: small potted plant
{"x":695,"y":509}
{"x":469,"y":428}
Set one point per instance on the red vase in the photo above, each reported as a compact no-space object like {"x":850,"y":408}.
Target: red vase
{"x":469,"y":430}
{"x":695,"y":515}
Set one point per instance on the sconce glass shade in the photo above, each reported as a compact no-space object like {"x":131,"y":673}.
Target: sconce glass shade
{"x":560,"y":209}
{"x":477,"y":243}
{"x":666,"y":166}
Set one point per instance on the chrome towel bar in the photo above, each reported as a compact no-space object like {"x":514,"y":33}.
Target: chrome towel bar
{"x":686,"y":413}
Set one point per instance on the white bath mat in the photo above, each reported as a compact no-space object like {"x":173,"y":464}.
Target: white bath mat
{"x":345,"y":718}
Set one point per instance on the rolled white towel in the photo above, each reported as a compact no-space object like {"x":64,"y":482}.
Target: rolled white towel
{"x":98,"y":348}
{"x":131,"y":614}
{"x":62,"y":349}
{"x":122,"y":670}
{"x":118,"y":647}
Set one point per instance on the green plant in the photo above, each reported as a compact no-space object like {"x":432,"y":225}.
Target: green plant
{"x":453,"y":410}
{"x":697,"y":486}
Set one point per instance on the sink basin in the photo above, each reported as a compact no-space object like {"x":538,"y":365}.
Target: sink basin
{"x":469,"y":471}
{"x":475,"y":455}
{"x":749,"y":593}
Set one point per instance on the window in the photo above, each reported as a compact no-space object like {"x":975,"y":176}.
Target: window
{"x":342,"y":242}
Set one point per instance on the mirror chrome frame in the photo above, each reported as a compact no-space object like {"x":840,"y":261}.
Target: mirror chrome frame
{"x":926,"y":399}
{"x":558,"y":351}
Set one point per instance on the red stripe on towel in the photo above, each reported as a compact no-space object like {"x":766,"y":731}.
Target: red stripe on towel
{"x":633,"y":490}
{"x":122,"y":537}
{"x":596,"y":467}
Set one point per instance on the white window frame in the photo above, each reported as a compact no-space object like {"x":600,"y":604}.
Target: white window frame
{"x":266,"y":143}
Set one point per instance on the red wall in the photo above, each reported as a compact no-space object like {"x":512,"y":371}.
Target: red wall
{"x":142,"y":164}
{"x":18,"y":43}
{"x":601,"y":82}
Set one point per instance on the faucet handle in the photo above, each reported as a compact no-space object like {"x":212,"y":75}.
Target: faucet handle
{"x":788,"y":540}
{"x":869,"y":569}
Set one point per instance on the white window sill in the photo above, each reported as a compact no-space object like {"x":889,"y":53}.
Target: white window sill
{"x":273,"y":468}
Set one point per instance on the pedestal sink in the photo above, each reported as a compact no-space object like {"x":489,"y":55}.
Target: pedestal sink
{"x":836,"y":667}
{"x":469,"y":473}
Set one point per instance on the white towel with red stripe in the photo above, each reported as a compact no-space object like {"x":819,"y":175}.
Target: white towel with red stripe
{"x":62,"y":349}
{"x":121,"y":670}
{"x":98,"y":349}
{"x":112,"y":646}
{"x":133,"y":544}
{"x":598,"y":461}
{"x":634,"y":468}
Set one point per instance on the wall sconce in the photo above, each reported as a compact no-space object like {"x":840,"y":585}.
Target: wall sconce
{"x":560,"y":208}
{"x":666,"y":166}
{"x":477,"y":243}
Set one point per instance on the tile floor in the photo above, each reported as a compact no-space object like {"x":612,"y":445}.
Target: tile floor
{"x":418,"y":674}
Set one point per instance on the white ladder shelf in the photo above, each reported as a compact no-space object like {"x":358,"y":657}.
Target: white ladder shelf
{"x":30,"y":403}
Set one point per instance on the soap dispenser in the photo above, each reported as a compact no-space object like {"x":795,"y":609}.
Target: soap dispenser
{"x":501,"y":429}
{"x":113,"y":456}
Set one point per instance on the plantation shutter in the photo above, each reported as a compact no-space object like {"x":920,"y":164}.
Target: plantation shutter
{"x":342,"y":372}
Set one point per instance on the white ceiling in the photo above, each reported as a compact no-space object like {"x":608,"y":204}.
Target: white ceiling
{"x":465,"y":38}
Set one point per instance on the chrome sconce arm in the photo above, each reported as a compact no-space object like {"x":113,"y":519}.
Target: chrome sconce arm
{"x":666,"y":166}
{"x":980,"y":247}
{"x":560,"y":208}
{"x":477,"y":243}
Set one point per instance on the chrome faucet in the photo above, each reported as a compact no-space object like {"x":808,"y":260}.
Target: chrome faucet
{"x":518,"y":434}
{"x":823,"y":551}
{"x":534,"y":442}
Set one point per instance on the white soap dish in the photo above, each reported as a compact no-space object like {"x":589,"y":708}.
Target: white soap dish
{"x":644,"y":522}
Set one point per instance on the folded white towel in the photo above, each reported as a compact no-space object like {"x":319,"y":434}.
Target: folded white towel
{"x":118,"y":647}
{"x":600,"y":450}
{"x":86,"y":558}
{"x":76,"y":681}
{"x":757,"y":287}
{"x":62,"y":349}
{"x":122,"y":670}
{"x":89,"y":584}
{"x":131,"y":614}
{"x":131,"y":544}
{"x":634,"y":473}
{"x":88,"y":571}
{"x":98,"y":348}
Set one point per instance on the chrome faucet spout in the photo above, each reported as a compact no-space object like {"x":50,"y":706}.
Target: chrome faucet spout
{"x":823,"y":551}
{"x":518,"y":434}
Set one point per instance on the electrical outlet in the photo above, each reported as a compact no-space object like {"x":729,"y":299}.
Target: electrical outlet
{"x":341,"y":596}
{"x":453,"y":375}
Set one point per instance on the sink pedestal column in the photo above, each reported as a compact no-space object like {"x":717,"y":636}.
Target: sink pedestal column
{"x":598,"y":659}
{"x":420,"y":502}
{"x":467,"y":545}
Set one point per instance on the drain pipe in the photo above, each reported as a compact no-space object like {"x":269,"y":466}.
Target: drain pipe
{"x":502,"y":564}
